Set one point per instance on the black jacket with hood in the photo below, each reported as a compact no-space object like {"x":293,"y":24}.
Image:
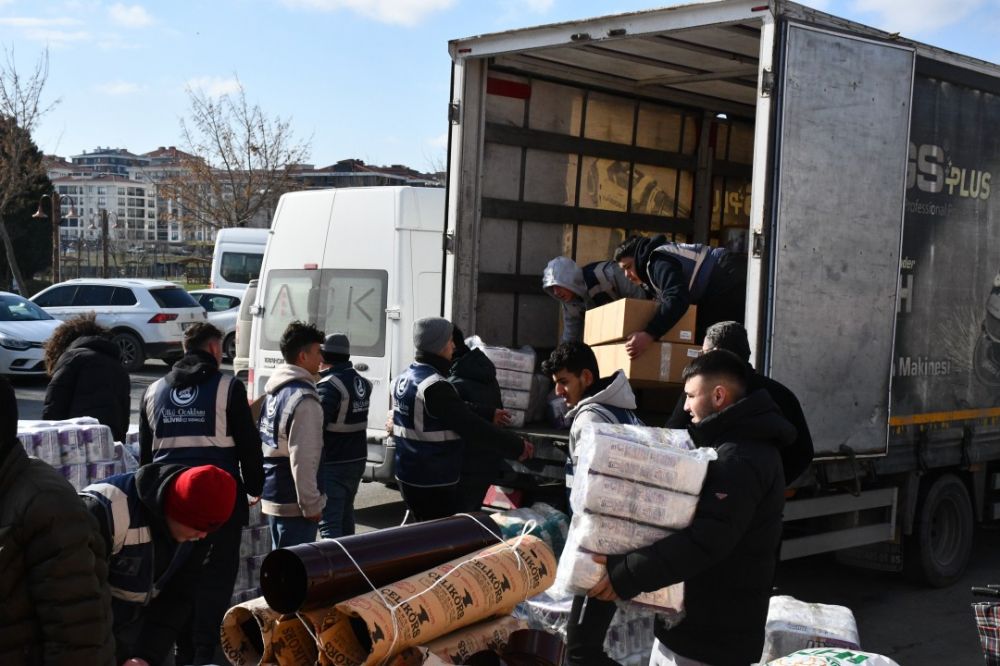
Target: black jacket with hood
{"x":723,"y":300}
{"x":165,"y":616}
{"x":726,"y":555}
{"x":89,"y":380}
{"x":197,"y":367}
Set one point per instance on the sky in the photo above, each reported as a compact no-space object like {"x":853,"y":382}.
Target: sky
{"x":366,"y":79}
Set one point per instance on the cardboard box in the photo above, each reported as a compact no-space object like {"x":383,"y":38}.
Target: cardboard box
{"x":620,"y":318}
{"x":662,"y":362}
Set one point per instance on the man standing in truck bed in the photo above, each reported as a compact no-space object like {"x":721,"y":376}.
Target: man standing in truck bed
{"x":682,"y":274}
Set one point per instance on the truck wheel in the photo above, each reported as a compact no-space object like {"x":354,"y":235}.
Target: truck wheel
{"x":229,"y":347}
{"x":130,"y":347}
{"x":938,"y":550}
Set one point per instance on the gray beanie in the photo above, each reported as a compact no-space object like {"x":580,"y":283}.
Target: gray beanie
{"x":336,"y":343}
{"x":431,"y":334}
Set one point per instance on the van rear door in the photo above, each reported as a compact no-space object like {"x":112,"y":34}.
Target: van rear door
{"x":836,"y":228}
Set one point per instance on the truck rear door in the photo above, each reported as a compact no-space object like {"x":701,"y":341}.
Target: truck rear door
{"x":840,"y":151}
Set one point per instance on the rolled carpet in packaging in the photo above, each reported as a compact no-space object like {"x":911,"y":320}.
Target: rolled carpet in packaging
{"x":321,"y":574}
{"x":458,"y":646}
{"x":247,"y":631}
{"x":444,"y":599}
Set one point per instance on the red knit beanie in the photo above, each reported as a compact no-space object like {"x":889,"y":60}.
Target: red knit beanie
{"x":201,"y":498}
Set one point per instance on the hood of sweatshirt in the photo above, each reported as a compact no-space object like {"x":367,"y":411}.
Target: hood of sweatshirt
{"x":616,"y":393}
{"x":474,"y":366}
{"x":192,"y":369}
{"x":285,"y":373}
{"x":643,"y":251}
{"x":563,"y":272}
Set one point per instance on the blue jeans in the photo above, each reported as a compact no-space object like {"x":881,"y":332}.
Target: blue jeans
{"x":291,"y":530}
{"x":339,"y":482}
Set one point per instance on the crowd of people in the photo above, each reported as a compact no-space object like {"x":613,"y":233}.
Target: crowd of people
{"x":140,"y":567}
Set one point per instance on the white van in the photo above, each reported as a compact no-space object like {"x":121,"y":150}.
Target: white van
{"x":237,"y":257}
{"x":364,"y":261}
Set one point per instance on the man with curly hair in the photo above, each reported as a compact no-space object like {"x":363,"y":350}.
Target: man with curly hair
{"x":88,"y":378}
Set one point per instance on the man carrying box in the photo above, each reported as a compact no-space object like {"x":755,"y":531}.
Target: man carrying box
{"x":725,"y":557}
{"x":591,"y":399}
{"x":681,"y":274}
{"x":581,"y":289}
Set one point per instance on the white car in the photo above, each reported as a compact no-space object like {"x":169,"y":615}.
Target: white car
{"x":147,"y":318}
{"x":24,"y":329}
{"x":222,"y":307}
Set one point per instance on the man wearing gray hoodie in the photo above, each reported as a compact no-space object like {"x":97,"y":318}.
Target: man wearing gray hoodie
{"x":291,"y":432}
{"x":582,"y":288}
{"x":591,"y":399}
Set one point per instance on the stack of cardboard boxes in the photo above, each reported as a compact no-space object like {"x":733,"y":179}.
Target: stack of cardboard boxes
{"x":606,"y":327}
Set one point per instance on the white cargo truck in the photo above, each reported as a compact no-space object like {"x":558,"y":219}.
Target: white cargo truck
{"x":872,"y":232}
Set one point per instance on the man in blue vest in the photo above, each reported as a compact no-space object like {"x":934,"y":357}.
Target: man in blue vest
{"x":344,"y":395}
{"x":196,"y":415}
{"x":152,"y":522}
{"x":429,"y":423}
{"x":582,"y":288}
{"x":681,"y":274}
{"x":291,"y":430}
{"x":591,"y":399}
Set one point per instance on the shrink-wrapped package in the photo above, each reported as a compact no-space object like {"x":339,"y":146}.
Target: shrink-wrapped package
{"x":98,"y":442}
{"x":612,"y":496}
{"x":677,"y":469}
{"x":550,"y":525}
{"x":613,"y":536}
{"x":795,"y":625}
{"x":76,"y":474}
{"x":513,"y":399}
{"x":71,"y":446}
{"x":513,"y":380}
{"x":654,"y":437}
{"x":98,"y":471}
{"x":502,"y":358}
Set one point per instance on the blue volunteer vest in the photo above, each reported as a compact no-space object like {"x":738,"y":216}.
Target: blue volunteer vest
{"x":344,"y":433}
{"x":189,"y":424}
{"x":697,"y":262}
{"x":275,"y":421}
{"x":428,"y":454}
{"x":599,"y":287}
{"x":132,"y":566}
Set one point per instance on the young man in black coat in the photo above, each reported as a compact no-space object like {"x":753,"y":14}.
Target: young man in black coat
{"x":731,"y":336}
{"x":725,"y":556}
{"x":680,"y":275}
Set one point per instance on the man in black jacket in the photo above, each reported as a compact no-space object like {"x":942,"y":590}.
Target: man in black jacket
{"x":681,"y":274}
{"x":731,"y":336}
{"x":430,"y":422}
{"x":180,"y":423}
{"x":726,"y":555}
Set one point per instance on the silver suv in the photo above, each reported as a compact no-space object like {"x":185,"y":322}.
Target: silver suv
{"x":147,"y":317}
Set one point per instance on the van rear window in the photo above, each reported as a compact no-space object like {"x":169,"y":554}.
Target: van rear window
{"x":349,"y":301}
{"x":240,"y":267}
{"x":173,"y":297}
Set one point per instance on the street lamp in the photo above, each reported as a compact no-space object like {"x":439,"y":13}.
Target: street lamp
{"x":55,"y":206}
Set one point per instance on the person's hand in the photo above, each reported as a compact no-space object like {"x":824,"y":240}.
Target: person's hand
{"x":528,"y":452}
{"x":388,"y":423}
{"x":603,"y":589}
{"x":637,"y":343}
{"x":501,"y":417}
{"x":314,"y":519}
{"x":134,"y":661}
{"x":252,"y":500}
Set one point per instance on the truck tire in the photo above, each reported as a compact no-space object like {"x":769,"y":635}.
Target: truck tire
{"x":130,"y":347}
{"x":938,"y":550}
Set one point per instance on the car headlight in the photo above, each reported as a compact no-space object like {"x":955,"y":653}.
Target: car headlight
{"x":7,"y":342}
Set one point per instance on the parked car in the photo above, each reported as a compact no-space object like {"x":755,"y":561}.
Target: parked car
{"x":24,"y":329}
{"x":147,"y":317}
{"x":222,"y":307}
{"x":244,"y":323}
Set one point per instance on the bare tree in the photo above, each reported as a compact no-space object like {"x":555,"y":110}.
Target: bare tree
{"x":21,"y":108}
{"x":239,"y":161}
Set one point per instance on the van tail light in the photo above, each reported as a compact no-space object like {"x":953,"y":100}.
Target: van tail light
{"x":162,"y":318}
{"x":250,"y":386}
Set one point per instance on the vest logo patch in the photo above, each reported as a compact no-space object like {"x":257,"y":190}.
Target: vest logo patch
{"x":360,"y":387}
{"x":400,"y":388}
{"x":185,"y":396}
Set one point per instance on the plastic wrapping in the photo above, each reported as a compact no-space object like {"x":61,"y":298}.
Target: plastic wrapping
{"x":98,"y":443}
{"x":492,"y":635}
{"x":825,"y":656}
{"x":681,"y":470}
{"x":513,"y":380}
{"x":611,"y":496}
{"x":512,"y":399}
{"x":98,"y":471}
{"x":71,"y":446}
{"x":76,"y":474}
{"x":551,"y":525}
{"x":613,"y":536}
{"x":521,"y":360}
{"x":795,"y":625}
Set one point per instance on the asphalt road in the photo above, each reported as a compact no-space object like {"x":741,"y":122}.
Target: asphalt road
{"x":912,"y":624}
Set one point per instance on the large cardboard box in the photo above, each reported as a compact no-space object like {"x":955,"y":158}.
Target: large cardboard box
{"x":662,"y":362}
{"x":620,"y":318}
